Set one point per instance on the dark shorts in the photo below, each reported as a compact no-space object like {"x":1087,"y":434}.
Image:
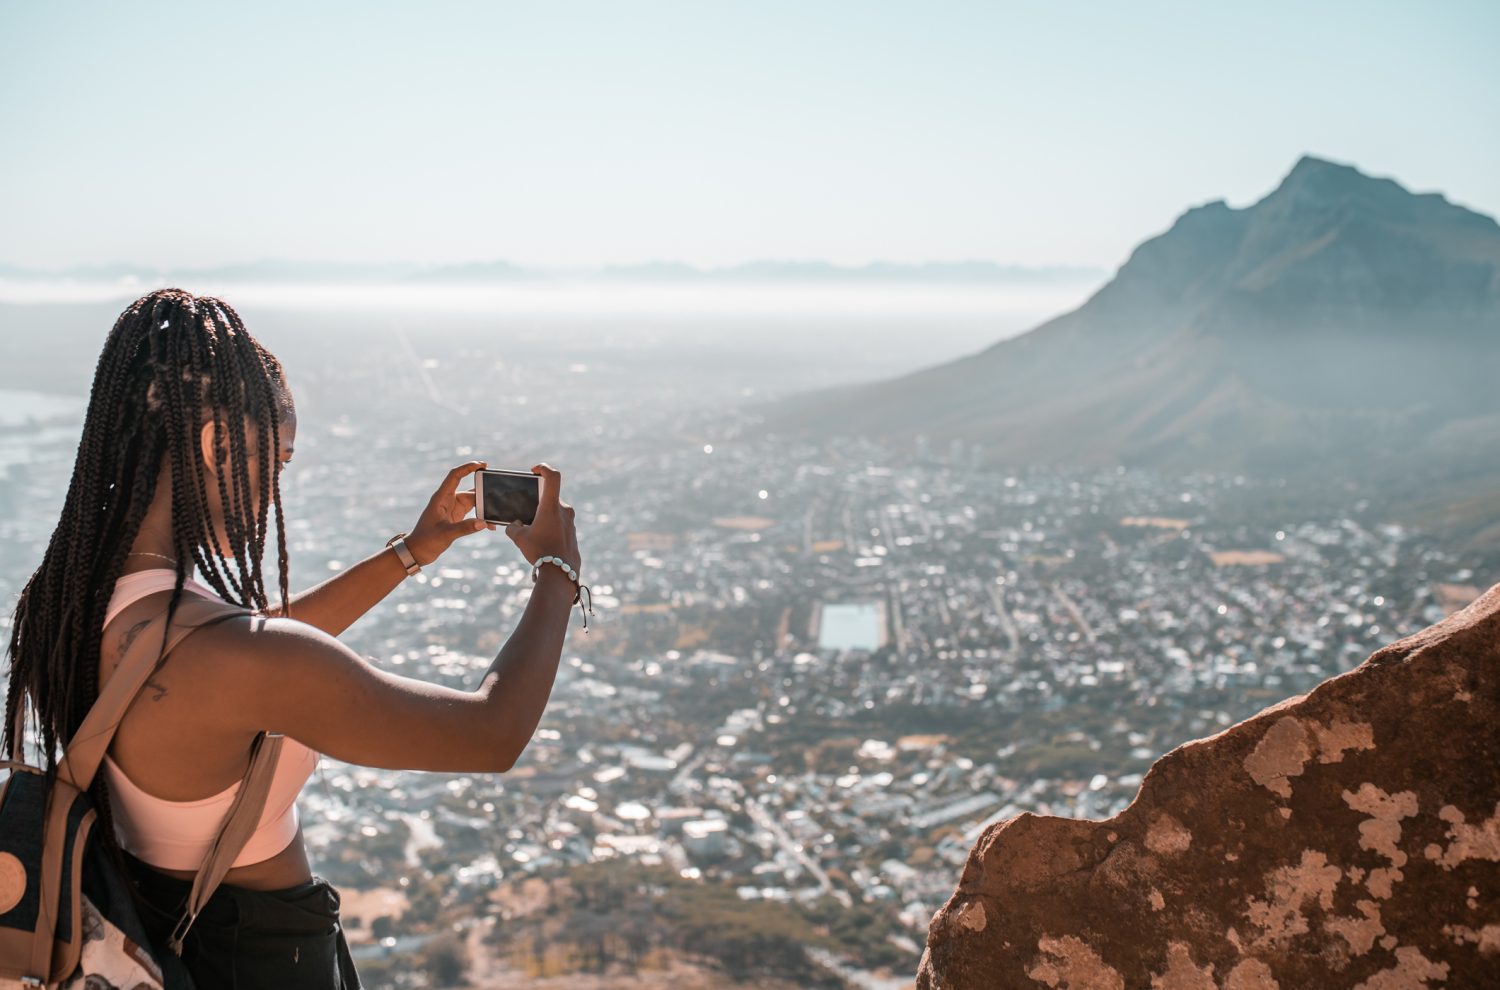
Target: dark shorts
{"x":243,"y":939}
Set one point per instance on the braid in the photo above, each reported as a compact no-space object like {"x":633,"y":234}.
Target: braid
{"x":166,"y":366}
{"x":220,"y":389}
{"x":193,"y":531}
{"x":240,"y":470}
{"x":274,"y":402}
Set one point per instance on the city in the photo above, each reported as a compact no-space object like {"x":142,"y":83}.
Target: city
{"x":816,"y":672}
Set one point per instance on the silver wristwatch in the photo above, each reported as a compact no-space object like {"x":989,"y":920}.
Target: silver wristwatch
{"x":398,"y":543}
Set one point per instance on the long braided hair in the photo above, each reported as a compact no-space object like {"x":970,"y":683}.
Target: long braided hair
{"x":171,"y":362}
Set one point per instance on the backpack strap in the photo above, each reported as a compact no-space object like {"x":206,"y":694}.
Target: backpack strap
{"x":240,"y":822}
{"x":85,"y":751}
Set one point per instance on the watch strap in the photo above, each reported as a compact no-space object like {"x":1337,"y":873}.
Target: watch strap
{"x":398,"y":543}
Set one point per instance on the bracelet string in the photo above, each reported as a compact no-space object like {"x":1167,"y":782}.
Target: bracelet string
{"x":583,"y":597}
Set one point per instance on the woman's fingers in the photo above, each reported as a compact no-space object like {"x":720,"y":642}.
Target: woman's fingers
{"x":550,"y":508}
{"x":466,"y":525}
{"x":551,"y":483}
{"x":450,"y":482}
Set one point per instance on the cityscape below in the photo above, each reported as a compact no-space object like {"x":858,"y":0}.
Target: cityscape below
{"x":818,"y":669}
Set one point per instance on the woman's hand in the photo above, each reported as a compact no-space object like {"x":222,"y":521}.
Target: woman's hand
{"x":446,"y":517}
{"x":551,"y":531}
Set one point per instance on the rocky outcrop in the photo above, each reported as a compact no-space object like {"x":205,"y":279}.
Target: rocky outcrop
{"x":1349,"y":837}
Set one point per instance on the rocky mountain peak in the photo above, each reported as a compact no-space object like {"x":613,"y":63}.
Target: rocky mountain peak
{"x":1340,"y":323}
{"x":1319,"y":189}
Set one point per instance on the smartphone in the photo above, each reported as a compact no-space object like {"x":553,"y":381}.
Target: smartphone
{"x":506,"y":496}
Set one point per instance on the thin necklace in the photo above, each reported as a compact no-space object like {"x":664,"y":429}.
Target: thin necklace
{"x":142,"y":553}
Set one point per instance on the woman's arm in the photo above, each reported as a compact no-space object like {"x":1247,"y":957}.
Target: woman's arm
{"x":335,"y":604}
{"x":290,"y":677}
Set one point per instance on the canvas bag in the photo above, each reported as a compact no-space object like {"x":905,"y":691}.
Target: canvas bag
{"x":65,"y":910}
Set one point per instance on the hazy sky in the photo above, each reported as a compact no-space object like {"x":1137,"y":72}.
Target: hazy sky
{"x":574,"y":134}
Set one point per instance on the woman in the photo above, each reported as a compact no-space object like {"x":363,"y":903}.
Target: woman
{"x":186,"y":414}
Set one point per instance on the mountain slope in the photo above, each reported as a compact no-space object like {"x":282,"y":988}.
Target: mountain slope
{"x":1339,"y":321}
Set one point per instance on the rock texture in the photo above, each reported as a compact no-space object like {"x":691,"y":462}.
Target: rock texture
{"x":1349,"y":837}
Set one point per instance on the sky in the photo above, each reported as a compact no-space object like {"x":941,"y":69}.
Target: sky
{"x":568,"y":135}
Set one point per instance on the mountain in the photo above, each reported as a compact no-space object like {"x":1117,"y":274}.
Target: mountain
{"x":1340,"y":323}
{"x":478,"y":272}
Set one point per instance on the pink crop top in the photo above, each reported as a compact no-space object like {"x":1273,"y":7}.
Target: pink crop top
{"x":176,"y":835}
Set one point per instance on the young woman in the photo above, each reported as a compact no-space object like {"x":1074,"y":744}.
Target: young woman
{"x":188,"y":427}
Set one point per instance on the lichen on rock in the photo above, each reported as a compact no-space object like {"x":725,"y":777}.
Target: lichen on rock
{"x":1349,"y":837}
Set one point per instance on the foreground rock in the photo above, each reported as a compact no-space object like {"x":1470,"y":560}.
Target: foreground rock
{"x":1349,"y":837}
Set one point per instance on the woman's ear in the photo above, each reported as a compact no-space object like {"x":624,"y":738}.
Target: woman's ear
{"x":208,"y":437}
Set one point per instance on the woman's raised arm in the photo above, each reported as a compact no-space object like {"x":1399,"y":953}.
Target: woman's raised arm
{"x":293,"y":678}
{"x":336,"y":603}
{"x":290,"y":677}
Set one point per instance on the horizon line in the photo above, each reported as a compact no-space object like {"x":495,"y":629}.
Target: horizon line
{"x":513,"y":269}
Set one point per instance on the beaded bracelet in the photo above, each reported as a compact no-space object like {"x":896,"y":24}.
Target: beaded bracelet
{"x":583,"y":597}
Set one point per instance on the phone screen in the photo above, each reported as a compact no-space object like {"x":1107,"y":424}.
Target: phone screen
{"x":509,"y":497}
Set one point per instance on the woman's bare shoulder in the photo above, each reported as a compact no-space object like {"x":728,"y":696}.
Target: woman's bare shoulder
{"x":261,"y":641}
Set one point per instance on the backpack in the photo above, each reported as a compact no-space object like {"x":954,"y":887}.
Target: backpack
{"x":67,"y":916}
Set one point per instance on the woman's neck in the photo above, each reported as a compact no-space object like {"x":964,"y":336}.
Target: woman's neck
{"x":154,"y":547}
{"x":136,"y":562}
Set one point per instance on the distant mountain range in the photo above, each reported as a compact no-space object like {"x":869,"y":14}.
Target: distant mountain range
{"x":492,"y":272}
{"x":1340,"y":327}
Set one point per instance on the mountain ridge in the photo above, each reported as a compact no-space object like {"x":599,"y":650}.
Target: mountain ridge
{"x":1337,"y":322}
